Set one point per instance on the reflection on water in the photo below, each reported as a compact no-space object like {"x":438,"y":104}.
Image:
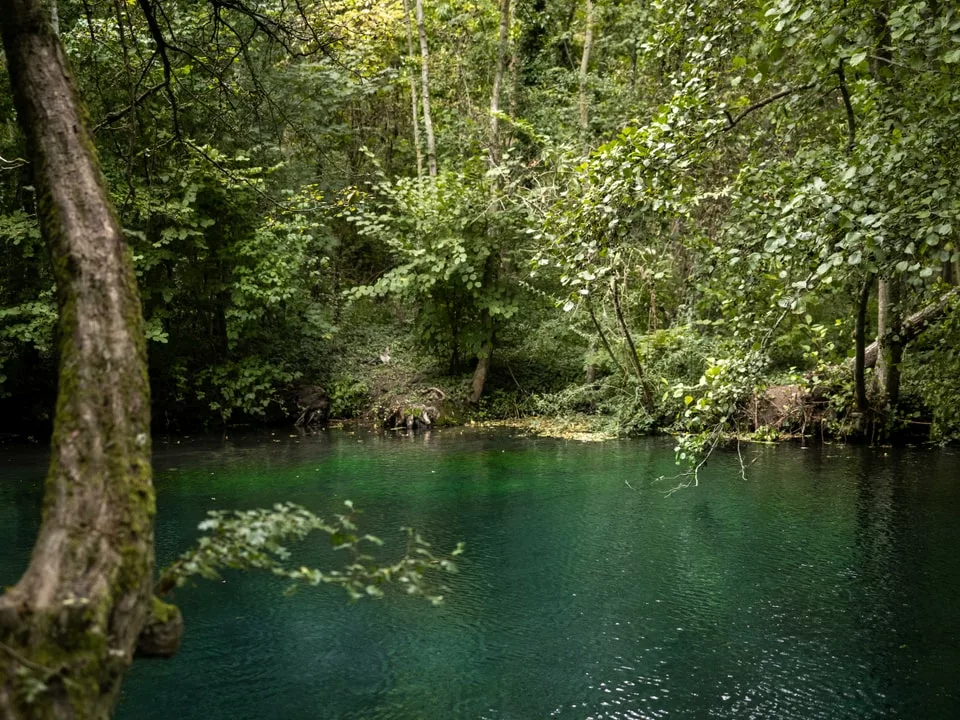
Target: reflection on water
{"x":825,"y":586}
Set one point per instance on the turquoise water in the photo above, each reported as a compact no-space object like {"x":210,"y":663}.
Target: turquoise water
{"x":826,"y":585}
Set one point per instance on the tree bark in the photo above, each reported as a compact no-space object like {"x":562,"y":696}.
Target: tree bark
{"x":415,"y":115}
{"x":491,"y":271}
{"x":914,"y":325}
{"x":889,"y":341}
{"x":859,"y":364}
{"x":631,"y":348}
{"x":73,"y":620}
{"x":425,"y":92}
{"x":603,"y":338}
{"x":483,"y":360}
{"x":502,"y":46}
{"x":584,"y":67}
{"x":513,"y":71}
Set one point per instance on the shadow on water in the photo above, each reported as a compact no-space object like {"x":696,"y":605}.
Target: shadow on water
{"x":823,"y":586}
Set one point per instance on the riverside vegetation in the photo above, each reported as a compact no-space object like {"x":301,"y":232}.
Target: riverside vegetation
{"x":678,"y":216}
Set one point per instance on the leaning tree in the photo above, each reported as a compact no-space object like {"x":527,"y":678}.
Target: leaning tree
{"x":85,"y":605}
{"x":70,"y":627}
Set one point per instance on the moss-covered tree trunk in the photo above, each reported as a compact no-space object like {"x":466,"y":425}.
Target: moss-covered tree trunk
{"x":69,"y":628}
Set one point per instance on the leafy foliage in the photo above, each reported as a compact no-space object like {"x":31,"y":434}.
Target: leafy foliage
{"x":258,"y":539}
{"x":711,"y":184}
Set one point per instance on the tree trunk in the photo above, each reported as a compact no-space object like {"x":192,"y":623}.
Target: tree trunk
{"x":425,"y":92}
{"x":889,"y":340}
{"x":513,"y":71}
{"x":491,"y":272}
{"x":502,"y":46}
{"x":914,"y":325}
{"x":603,"y":338}
{"x":70,"y":627}
{"x":415,"y":116}
{"x":859,"y":364}
{"x":584,"y":67}
{"x":483,"y":360}
{"x":631,"y":348}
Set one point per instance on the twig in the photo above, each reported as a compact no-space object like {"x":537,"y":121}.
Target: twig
{"x":12,"y":164}
{"x":733,"y":121}
{"x":743,"y":470}
{"x":603,"y":337}
{"x":695,"y":472}
{"x":162,"y":45}
{"x":25,"y":661}
{"x":111,"y":118}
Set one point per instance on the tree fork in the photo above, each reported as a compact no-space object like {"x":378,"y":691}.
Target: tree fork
{"x":70,"y":627}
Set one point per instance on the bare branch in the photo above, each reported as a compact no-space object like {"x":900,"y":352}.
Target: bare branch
{"x":116,"y":115}
{"x":732,"y":122}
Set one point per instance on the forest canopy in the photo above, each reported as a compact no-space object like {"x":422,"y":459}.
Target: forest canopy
{"x":697,"y":216}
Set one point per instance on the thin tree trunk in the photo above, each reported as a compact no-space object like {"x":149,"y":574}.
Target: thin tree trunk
{"x":584,"y":67}
{"x":513,"y":71}
{"x":480,"y":373}
{"x":631,"y":348}
{"x":502,"y":46}
{"x":425,"y":92}
{"x":492,"y":263}
{"x":73,"y":620}
{"x":889,"y":311}
{"x":859,"y":366}
{"x":591,"y":369}
{"x":585,"y":122}
{"x":889,"y":341}
{"x":603,"y":338}
{"x":415,"y":115}
{"x":491,"y":271}
{"x":915,"y":324}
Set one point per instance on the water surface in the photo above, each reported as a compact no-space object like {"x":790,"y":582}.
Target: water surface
{"x":826,"y":585}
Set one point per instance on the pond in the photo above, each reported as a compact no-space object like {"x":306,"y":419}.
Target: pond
{"x":824,"y":585}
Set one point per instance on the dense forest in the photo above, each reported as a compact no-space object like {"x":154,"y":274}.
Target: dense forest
{"x":695,"y":216}
{"x":713,"y":219}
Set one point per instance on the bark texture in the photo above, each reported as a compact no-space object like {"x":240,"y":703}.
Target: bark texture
{"x":890,"y":340}
{"x":491,"y":271}
{"x":69,"y":628}
{"x":413,"y":90}
{"x":859,"y":358}
{"x":584,"y":68}
{"x":503,"y":40}
{"x":425,"y":92}
{"x":631,"y":347}
{"x":914,"y":325}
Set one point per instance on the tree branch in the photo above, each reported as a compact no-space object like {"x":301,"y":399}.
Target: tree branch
{"x":851,"y":118}
{"x":732,"y":122}
{"x":157,"y":35}
{"x":116,"y":115}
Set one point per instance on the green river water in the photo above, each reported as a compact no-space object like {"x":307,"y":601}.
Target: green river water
{"x":825,"y":585}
